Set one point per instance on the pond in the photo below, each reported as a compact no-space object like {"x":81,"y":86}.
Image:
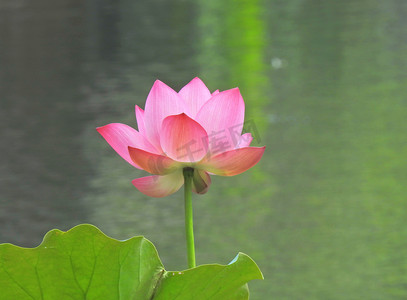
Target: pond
{"x":324,"y":82}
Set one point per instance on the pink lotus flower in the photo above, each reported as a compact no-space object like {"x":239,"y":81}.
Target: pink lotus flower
{"x":192,"y":128}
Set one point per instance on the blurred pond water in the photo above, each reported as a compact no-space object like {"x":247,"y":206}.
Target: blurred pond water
{"x":324,"y":213}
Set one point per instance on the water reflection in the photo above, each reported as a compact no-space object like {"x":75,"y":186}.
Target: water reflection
{"x":338,"y":173}
{"x":42,"y":167}
{"x":323,"y":214}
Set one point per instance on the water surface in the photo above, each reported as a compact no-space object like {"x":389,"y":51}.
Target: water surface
{"x":324,"y":83}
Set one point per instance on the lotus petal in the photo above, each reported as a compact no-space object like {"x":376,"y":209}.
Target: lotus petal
{"x":183,"y":139}
{"x":195,"y":94}
{"x":153,"y":163}
{"x":244,"y":140}
{"x":162,"y":101}
{"x":232,"y":162}
{"x":201,"y":181}
{"x":159,"y":186}
{"x":140,"y":120}
{"x":121,"y":136}
{"x":222,"y":116}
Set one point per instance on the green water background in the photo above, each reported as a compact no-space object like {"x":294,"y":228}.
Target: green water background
{"x":324,"y":213}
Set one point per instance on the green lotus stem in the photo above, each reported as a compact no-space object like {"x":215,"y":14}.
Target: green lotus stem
{"x":189,"y":223}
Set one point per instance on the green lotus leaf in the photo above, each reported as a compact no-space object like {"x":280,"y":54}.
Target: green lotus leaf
{"x":83,"y":263}
{"x":214,"y":282}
